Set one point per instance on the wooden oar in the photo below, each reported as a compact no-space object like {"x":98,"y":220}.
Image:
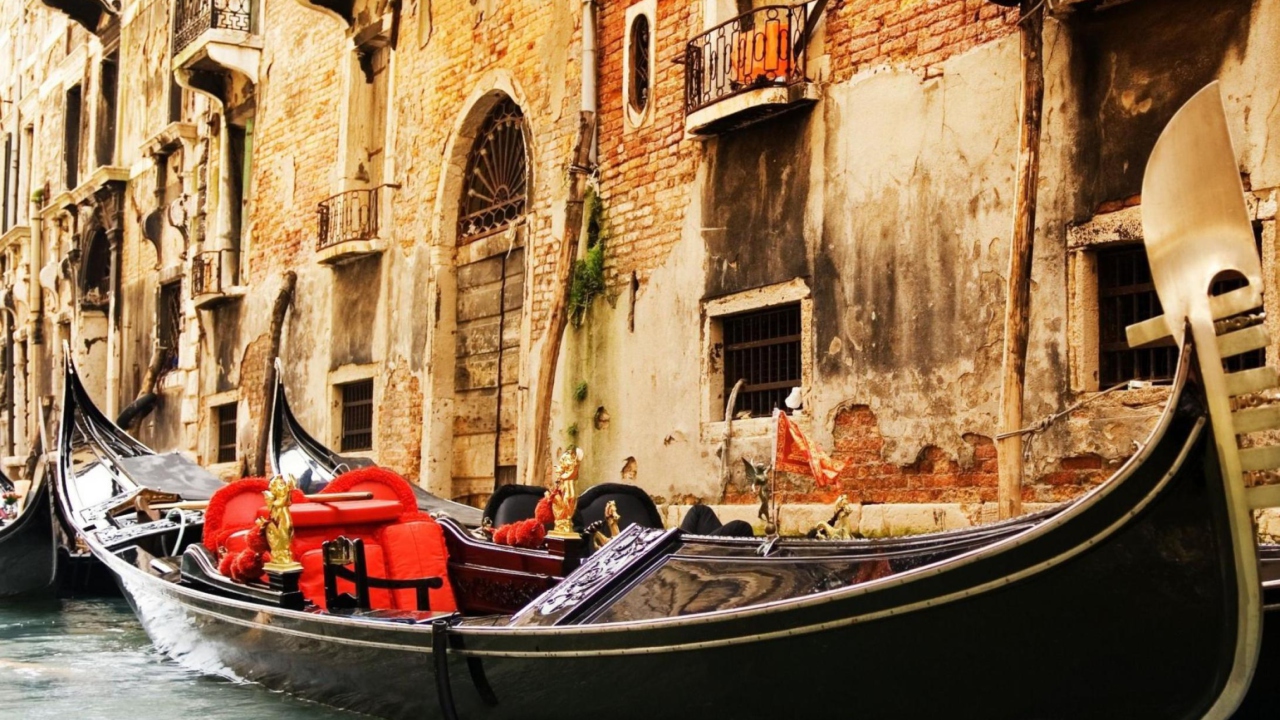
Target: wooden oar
{"x":322,"y":497}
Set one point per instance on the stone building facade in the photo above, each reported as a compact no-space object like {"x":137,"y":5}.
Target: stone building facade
{"x":816,"y":195}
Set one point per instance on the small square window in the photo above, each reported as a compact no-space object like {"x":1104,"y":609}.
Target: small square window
{"x":762,"y":347}
{"x":225,"y":417}
{"x":357,"y":415}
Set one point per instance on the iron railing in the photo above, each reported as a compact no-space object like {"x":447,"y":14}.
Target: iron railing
{"x":350,"y":215}
{"x":759,"y":48}
{"x":193,"y":17}
{"x":206,"y":271}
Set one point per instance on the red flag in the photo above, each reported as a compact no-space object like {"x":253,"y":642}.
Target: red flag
{"x":795,"y":454}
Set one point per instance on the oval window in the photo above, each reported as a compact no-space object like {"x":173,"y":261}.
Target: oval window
{"x":640,"y":53}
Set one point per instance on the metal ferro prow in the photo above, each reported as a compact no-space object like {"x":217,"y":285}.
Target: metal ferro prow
{"x":1196,"y":229}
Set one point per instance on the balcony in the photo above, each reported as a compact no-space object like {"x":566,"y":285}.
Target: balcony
{"x":89,"y":13}
{"x":746,"y":70}
{"x":350,"y":224}
{"x":214,"y":278}
{"x":215,"y":44}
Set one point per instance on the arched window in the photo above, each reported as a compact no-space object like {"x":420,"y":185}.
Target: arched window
{"x":640,"y":50}
{"x":494,"y":188}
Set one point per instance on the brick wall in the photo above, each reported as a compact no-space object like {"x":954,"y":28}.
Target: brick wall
{"x":910,"y":33}
{"x":646,"y":173}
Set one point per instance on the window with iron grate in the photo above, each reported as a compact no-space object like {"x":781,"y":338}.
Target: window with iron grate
{"x":357,"y":415}
{"x":169,"y":323}
{"x":641,"y":49}
{"x":225,"y":416}
{"x":762,"y":347}
{"x":1126,"y":295}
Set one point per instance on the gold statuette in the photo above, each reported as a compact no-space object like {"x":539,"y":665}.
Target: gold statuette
{"x":278,"y":525}
{"x":564,"y":496}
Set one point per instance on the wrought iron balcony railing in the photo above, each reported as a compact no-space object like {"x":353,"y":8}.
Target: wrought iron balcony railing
{"x":350,"y":215}
{"x":193,"y":17}
{"x":206,"y":272}
{"x":760,"y":48}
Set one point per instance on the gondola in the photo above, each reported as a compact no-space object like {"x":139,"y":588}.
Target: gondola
{"x":1140,"y":599}
{"x":137,"y":497}
{"x":28,"y":545}
{"x":293,"y":451}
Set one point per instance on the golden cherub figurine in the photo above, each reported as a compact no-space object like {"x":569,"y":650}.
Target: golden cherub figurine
{"x":564,"y":496}
{"x":278,"y":524}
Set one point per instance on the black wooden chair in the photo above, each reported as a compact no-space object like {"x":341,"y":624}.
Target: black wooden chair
{"x":635,"y":507}
{"x":511,"y":503}
{"x":341,"y":552}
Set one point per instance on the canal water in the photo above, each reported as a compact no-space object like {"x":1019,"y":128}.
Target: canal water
{"x":90,"y":660}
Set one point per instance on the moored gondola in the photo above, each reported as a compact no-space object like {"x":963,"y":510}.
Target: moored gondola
{"x":1140,"y":599}
{"x":293,"y":451}
{"x":28,"y":545}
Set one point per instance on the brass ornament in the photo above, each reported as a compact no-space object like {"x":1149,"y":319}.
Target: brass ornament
{"x":564,"y":496}
{"x":278,"y":525}
{"x":610,"y":522}
{"x":837,"y":528}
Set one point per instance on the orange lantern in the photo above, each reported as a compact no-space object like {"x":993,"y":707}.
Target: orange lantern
{"x":762,"y":54}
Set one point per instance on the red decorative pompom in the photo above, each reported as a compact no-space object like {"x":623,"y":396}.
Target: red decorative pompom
{"x":502,"y":534}
{"x":247,"y":566}
{"x":224,"y":565}
{"x":522,"y":533}
{"x":258,"y":540}
{"x":542,"y":513}
{"x":539,"y":534}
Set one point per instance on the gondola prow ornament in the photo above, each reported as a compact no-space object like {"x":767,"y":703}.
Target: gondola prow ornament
{"x":564,"y":496}
{"x":278,"y":525}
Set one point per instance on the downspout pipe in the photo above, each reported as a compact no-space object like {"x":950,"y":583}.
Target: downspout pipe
{"x":35,"y":301}
{"x":590,"y":93}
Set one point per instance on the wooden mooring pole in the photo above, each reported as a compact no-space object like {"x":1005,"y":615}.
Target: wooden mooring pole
{"x":1018,"y":298}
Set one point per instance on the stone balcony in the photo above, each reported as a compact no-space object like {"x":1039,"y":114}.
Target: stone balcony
{"x":215,"y":278}
{"x":747,"y":70}
{"x":215,"y":44}
{"x":350,"y":224}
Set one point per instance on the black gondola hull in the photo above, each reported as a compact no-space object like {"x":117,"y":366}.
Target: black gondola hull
{"x":1126,"y":606}
{"x":28,"y":548}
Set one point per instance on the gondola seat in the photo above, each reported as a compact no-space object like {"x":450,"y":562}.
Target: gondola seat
{"x":399,"y":542}
{"x":382,"y":483}
{"x":341,"y":552}
{"x":512,"y":503}
{"x":233,"y":509}
{"x":635,"y":507}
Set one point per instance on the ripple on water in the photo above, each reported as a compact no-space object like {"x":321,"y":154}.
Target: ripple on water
{"x":90,"y":660}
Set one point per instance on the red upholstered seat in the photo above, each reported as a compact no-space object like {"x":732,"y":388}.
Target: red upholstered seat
{"x":363,"y":512}
{"x":234,"y":507}
{"x":309,"y":514}
{"x":416,"y":550}
{"x":383,"y":483}
{"x":312,"y":581}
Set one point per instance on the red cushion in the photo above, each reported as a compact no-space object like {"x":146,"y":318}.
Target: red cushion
{"x":360,"y":512}
{"x":383,"y":483}
{"x":307,"y":514}
{"x":236,"y":541}
{"x":417,"y":550}
{"x":234,"y":506}
{"x":312,"y":581}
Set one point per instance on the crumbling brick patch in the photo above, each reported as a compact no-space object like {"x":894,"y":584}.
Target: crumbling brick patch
{"x":253,"y":366}
{"x":400,"y":423}
{"x":935,"y":476}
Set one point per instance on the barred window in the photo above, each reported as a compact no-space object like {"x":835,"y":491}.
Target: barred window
{"x":762,"y":347}
{"x":1126,"y":295}
{"x":225,"y":416}
{"x":640,"y":51}
{"x":169,"y":323}
{"x":357,"y":415}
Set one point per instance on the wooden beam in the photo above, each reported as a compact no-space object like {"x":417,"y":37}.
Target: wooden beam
{"x":538,"y":459}
{"x":1018,"y":298}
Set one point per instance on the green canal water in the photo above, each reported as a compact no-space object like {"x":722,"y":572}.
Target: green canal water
{"x":90,"y":660}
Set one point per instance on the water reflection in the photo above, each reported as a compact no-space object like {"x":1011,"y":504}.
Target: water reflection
{"x":90,"y":660}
